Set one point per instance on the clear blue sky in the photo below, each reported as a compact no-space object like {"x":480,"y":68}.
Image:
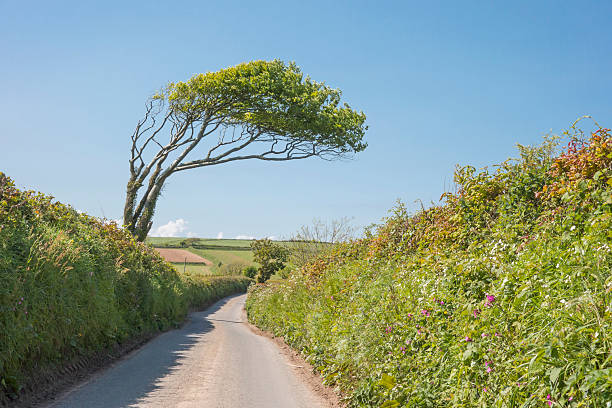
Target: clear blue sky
{"x":442,"y":83}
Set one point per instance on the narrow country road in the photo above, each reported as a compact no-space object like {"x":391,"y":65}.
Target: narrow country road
{"x":215,"y":360}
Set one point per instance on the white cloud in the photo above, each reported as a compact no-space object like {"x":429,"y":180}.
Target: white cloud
{"x":273,"y":238}
{"x":171,"y":229}
{"x":244,"y":237}
{"x":192,"y":235}
{"x":220,"y":235}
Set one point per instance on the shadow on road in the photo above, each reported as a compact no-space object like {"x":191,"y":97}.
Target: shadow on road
{"x":129,"y":381}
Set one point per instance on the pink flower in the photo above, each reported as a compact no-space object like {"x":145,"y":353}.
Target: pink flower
{"x":467,"y":338}
{"x":489,"y":369}
{"x":424,"y":312}
{"x":490,"y":300}
{"x":548,"y":400}
{"x":483,"y":335}
{"x":388,"y":329}
{"x":570,"y":398}
{"x":476,"y":312}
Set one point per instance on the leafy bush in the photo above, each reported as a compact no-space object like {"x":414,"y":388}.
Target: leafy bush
{"x":250,"y":272}
{"x":71,"y":285}
{"x":501,"y":297}
{"x":234,"y":268}
{"x":270,"y":256}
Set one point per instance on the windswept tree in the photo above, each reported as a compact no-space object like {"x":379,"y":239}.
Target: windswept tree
{"x":263,"y":110}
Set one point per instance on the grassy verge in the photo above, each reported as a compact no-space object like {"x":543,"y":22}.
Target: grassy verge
{"x":71,"y":286}
{"x":501,"y":297}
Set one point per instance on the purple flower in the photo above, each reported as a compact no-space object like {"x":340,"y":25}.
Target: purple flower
{"x":441,"y":302}
{"x":548,"y":400}
{"x":424,"y":312}
{"x":388,"y":329}
{"x":468,"y":339}
{"x":490,"y":300}
{"x":476,"y":312}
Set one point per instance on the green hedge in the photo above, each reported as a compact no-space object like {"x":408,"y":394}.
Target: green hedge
{"x":501,"y":297}
{"x":71,"y":285}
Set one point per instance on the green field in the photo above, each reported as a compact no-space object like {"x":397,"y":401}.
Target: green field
{"x":226,"y":255}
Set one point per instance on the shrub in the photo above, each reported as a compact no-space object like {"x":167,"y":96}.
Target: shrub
{"x":234,"y":268}
{"x":250,"y":272}
{"x":498,"y":298}
{"x":270,"y":256}
{"x":71,"y":285}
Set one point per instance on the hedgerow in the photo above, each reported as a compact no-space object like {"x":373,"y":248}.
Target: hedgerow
{"x":499,"y":297}
{"x":71,"y":285}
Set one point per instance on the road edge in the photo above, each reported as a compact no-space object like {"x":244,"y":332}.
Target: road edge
{"x":309,"y":376}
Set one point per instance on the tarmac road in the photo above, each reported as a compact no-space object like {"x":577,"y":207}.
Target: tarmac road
{"x":215,"y":360}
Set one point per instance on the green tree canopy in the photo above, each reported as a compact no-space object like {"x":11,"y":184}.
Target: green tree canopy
{"x":265,"y":110}
{"x":270,"y":256}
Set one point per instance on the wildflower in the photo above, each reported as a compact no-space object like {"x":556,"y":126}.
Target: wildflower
{"x":403,"y":350}
{"x":468,"y":339}
{"x":570,"y":398}
{"x":441,"y":302}
{"x":424,"y":312}
{"x":476,"y":312}
{"x":548,"y":400}
{"x":388,"y":329}
{"x":489,"y":369}
{"x":484,"y":389}
{"x":483,"y":335}
{"x":410,"y":315}
{"x":490,"y":300}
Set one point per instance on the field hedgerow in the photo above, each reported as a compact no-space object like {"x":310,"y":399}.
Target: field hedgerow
{"x":71,"y":285}
{"x":500,"y":297}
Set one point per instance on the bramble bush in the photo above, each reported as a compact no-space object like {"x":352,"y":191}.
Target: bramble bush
{"x":71,"y":285}
{"x":500,"y":297}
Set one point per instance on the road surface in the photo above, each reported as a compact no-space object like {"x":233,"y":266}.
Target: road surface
{"x":215,"y":360}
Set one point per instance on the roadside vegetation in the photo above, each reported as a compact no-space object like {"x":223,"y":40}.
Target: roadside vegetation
{"x":499,"y":297}
{"x":72,"y":285}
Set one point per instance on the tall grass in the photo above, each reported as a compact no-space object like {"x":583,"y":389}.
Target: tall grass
{"x":501,"y":297}
{"x":71,"y":285}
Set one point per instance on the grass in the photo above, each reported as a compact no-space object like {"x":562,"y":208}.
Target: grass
{"x":226,"y":255}
{"x":223,"y":253}
{"x":176,"y":242}
{"x":195,"y":269}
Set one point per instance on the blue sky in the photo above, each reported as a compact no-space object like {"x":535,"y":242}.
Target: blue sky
{"x":442,"y":83}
